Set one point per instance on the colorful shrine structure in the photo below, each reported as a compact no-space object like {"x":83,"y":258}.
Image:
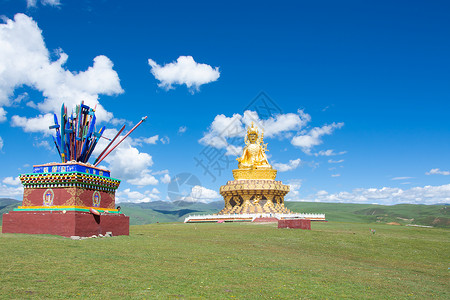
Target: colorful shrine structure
{"x":71,"y":198}
{"x":254,"y":194}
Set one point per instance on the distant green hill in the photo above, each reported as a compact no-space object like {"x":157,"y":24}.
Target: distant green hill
{"x":429,"y":215}
{"x":6,"y":205}
{"x":164,"y":211}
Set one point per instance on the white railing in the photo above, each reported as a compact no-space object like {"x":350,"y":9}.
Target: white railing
{"x":254,"y":216}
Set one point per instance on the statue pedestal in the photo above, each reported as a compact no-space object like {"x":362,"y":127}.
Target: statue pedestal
{"x":66,"y":224}
{"x":67,"y":199}
{"x":252,"y":196}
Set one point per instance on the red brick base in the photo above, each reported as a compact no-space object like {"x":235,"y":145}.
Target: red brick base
{"x":65,"y":224}
{"x":295,"y":223}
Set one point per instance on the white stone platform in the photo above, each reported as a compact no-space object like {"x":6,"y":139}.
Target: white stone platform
{"x":251,"y":217}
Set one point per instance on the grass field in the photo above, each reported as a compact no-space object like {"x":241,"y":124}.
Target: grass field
{"x":233,"y":261}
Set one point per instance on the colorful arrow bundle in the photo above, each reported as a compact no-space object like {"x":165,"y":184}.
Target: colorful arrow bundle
{"x":77,"y":137}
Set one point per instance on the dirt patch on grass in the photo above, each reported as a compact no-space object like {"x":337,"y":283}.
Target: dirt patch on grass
{"x":393,"y":223}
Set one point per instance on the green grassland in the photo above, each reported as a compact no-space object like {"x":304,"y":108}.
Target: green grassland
{"x":232,"y":261}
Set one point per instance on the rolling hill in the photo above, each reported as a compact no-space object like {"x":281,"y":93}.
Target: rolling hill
{"x":6,"y":205}
{"x":401,"y":214}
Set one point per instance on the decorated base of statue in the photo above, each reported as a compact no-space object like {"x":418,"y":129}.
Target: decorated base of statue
{"x":247,"y":196}
{"x":67,"y":199}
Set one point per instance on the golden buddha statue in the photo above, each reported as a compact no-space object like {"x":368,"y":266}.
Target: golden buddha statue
{"x":254,"y":154}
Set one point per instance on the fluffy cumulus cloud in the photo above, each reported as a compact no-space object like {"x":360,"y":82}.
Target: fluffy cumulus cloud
{"x":25,"y":60}
{"x":184,"y":71}
{"x":225,"y":131}
{"x":292,"y":165}
{"x":2,"y":115}
{"x":12,"y":181}
{"x":1,"y":143}
{"x":437,"y":172}
{"x":150,"y":140}
{"x":144,"y":179}
{"x":221,"y":128}
{"x":294,"y":189}
{"x":314,"y":136}
{"x":11,"y":191}
{"x":127,"y":162}
{"x":202,"y":194}
{"x":166,"y":178}
{"x":386,"y":195}
{"x":182,"y":129}
{"x":37,"y":124}
{"x":128,"y":195}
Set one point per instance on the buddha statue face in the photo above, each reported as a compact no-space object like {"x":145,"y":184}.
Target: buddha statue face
{"x":252,"y":137}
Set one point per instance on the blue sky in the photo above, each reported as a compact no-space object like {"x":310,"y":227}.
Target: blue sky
{"x":360,"y":92}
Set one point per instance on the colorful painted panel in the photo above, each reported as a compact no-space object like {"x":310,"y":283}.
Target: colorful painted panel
{"x":62,"y":168}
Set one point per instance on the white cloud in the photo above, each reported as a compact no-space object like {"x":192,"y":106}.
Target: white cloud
{"x":437,"y":172}
{"x":184,"y":71}
{"x":401,"y":178}
{"x":329,"y":152}
{"x":160,"y":172}
{"x":150,"y":140}
{"x":51,"y":2}
{"x":386,"y":195}
{"x":165,"y":140}
{"x":313,"y":137}
{"x":43,"y":144}
{"x":25,"y":60}
{"x":335,"y":175}
{"x":292,"y":165}
{"x":182,"y":129}
{"x":202,"y":194}
{"x":128,"y":195}
{"x":1,"y":143}
{"x":234,"y":150}
{"x":37,"y":124}
{"x":12,"y":181}
{"x":15,"y":192}
{"x":279,"y":124}
{"x":2,"y":115}
{"x":127,"y":162}
{"x":144,"y":179}
{"x":33,"y":3}
{"x":294,"y":187}
{"x":335,"y":161}
{"x":223,"y":128}
{"x":166,"y":178}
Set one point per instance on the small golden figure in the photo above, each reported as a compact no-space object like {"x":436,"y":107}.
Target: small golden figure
{"x":254,"y":154}
{"x":257,"y":199}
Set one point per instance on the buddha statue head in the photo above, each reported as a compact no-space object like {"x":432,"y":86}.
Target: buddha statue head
{"x":252,"y":134}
